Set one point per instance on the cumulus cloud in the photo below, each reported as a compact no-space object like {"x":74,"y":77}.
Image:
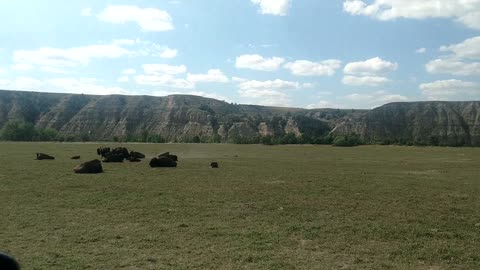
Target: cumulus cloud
{"x":375,"y":99}
{"x":258,"y":62}
{"x":271,"y":84}
{"x":463,"y":59}
{"x":307,"y":68}
{"x":421,"y":50}
{"x":166,"y":80}
{"x":67,"y":58}
{"x":168,"y":53}
{"x":368,"y":73}
{"x":271,"y":92}
{"x":323,"y":104}
{"x":373,"y":66}
{"x":62,"y":85}
{"x":466,"y":12}
{"x":213,"y":75}
{"x":160,"y":69}
{"x":450,"y":90}
{"x":365,"y":80}
{"x":149,"y":19}
{"x":129,"y":71}
{"x":272,"y":7}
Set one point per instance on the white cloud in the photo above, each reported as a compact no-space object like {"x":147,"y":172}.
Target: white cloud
{"x":82,"y":86}
{"x":373,"y":66}
{"x":267,"y":85}
{"x":168,"y":53}
{"x":421,"y":50}
{"x":86,"y":12}
{"x":149,"y":19}
{"x":123,"y":79}
{"x":61,"y":85}
{"x":323,"y":104}
{"x":258,"y":62}
{"x":272,"y":7}
{"x":463,"y":11}
{"x":453,"y":66}
{"x":213,"y":75}
{"x":266,"y":97}
{"x":129,"y":71}
{"x":365,"y":80}
{"x":160,"y":69}
{"x":368,"y":73}
{"x":3,"y":71}
{"x":462,"y":60}
{"x":450,"y":90}
{"x":66,"y":58}
{"x":307,"y":68}
{"x":166,"y":80}
{"x":371,"y":100}
{"x":468,"y":49}
{"x":22,"y":67}
{"x":21,"y":83}
{"x":270,"y":92}
{"x":238,"y":79}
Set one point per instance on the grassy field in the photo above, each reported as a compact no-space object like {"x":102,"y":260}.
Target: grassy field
{"x":266,"y":207}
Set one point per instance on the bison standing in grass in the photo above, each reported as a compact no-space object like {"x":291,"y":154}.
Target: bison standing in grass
{"x":42,"y":156}
{"x":93,"y":166}
{"x":162,"y":161}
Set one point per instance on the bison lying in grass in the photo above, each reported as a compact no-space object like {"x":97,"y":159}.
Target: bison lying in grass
{"x":162,"y":161}
{"x":92,"y":166}
{"x":41,"y":156}
{"x":137,"y":155}
{"x":113,"y":158}
{"x":167,"y":154}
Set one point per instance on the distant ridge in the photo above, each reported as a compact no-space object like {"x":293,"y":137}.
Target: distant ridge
{"x":185,"y":118}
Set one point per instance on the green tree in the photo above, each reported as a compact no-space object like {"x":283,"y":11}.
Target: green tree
{"x":16,"y":130}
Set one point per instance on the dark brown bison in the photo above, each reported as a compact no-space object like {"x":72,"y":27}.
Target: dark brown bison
{"x":92,"y":166}
{"x":214,"y":165}
{"x":103,"y":151}
{"x":41,"y":156}
{"x":75,"y":157}
{"x":136,"y":154}
{"x":113,"y":158}
{"x":121,"y":151}
{"x":162,"y":162}
{"x":133,"y":159}
{"x":167,"y":154}
{"x":8,"y":263}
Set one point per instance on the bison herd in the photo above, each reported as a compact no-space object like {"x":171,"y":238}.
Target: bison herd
{"x":120,"y":154}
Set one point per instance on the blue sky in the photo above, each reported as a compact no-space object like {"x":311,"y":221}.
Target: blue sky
{"x":302,"y":53}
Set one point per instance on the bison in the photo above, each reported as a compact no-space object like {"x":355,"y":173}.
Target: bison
{"x":8,"y":263}
{"x":162,"y":161}
{"x":41,"y":156}
{"x":103,"y":151}
{"x":136,"y":154}
{"x":92,"y":166}
{"x":133,"y":159}
{"x":214,"y":165}
{"x":121,"y":151}
{"x":75,"y":157}
{"x":114,"y":158}
{"x":167,"y":154}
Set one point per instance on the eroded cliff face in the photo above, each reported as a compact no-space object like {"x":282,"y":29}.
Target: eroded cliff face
{"x":181,"y":118}
{"x":174,"y":118}
{"x":431,"y":123}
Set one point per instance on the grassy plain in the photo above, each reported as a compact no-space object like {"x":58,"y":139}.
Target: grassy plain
{"x":266,"y":207}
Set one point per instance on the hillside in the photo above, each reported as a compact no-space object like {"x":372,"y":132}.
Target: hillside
{"x":180,"y":118}
{"x":183,"y":118}
{"x":420,"y":123}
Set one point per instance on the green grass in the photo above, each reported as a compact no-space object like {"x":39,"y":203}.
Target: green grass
{"x":272,"y":207}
